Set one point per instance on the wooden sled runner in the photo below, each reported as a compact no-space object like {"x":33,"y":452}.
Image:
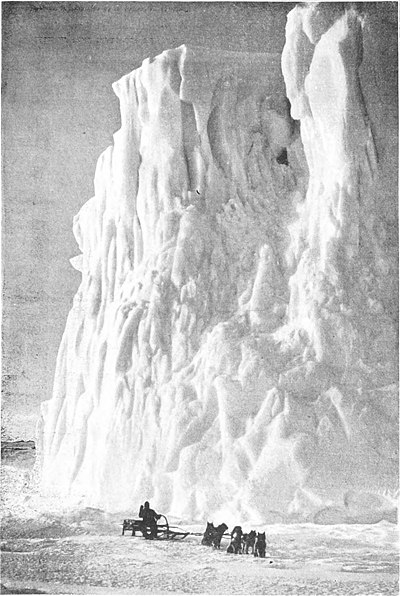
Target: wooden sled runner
{"x":163,"y":530}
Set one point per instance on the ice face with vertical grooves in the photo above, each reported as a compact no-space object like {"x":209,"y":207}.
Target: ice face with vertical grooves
{"x":231,"y":346}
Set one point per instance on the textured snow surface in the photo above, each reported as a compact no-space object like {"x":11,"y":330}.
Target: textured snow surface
{"x":300,"y":559}
{"x":231,"y":350}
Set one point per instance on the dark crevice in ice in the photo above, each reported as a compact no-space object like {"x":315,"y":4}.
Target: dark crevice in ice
{"x":282,"y":158}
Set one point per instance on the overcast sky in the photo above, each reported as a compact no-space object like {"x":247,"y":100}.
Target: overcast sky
{"x":59,"y":113}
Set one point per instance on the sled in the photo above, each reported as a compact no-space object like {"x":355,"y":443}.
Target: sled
{"x":163,"y":530}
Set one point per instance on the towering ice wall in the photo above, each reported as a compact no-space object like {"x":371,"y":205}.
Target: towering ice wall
{"x":231,"y":351}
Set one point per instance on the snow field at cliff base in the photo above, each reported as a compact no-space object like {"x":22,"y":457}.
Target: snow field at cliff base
{"x":56,"y":551}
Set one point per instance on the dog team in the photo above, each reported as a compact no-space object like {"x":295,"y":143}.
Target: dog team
{"x":240,"y":543}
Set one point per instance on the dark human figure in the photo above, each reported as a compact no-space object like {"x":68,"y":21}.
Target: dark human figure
{"x":150,"y":518}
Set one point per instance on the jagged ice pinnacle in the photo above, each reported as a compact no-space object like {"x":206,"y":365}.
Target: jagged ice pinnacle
{"x":231,"y":350}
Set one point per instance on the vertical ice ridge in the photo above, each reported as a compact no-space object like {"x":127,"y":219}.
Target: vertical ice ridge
{"x":337,"y":139}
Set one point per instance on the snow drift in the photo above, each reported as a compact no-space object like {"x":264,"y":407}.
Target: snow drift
{"x":231,"y":351}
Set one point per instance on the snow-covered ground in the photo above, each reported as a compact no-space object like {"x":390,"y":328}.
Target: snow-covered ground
{"x":83,"y":552}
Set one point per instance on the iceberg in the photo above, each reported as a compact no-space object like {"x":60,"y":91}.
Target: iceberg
{"x":231,"y":351}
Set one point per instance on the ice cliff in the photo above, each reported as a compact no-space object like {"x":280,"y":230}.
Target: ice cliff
{"x":231,"y":351}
